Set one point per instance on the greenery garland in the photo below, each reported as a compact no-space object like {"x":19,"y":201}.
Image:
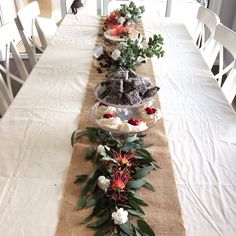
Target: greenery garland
{"x":131,"y":53}
{"x":121,"y":162}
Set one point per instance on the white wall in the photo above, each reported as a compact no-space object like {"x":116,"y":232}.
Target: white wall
{"x":228,"y":11}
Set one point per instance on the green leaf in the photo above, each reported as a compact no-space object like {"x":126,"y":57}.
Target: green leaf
{"x":149,"y":186}
{"x":85,"y":189}
{"x":132,"y":138}
{"x":81,"y":203}
{"x":101,"y":221}
{"x":141,"y":172}
{"x":92,"y":201}
{"x":123,"y":234}
{"x":126,"y":228}
{"x":136,"y":183}
{"x":145,"y":228}
{"x":135,"y":213}
{"x":92,"y":134}
{"x":137,"y":233}
{"x":102,"y":230}
{"x":144,"y":153}
{"x":72,"y":139}
{"x":90,"y":153}
{"x":87,"y":219}
{"x":139,"y":200}
{"x":136,"y":206}
{"x":80,"y":178}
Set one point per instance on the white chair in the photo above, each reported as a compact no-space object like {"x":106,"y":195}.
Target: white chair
{"x":226,"y":38}
{"x":9,"y":50}
{"x":5,"y":98}
{"x":203,"y":34}
{"x":36,"y":32}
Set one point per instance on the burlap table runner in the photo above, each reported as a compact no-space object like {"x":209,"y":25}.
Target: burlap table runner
{"x":163,"y":213}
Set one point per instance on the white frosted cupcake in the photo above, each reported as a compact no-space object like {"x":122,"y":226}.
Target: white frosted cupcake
{"x":133,"y":125}
{"x":109,"y":121}
{"x":102,"y":109}
{"x":150,"y":115}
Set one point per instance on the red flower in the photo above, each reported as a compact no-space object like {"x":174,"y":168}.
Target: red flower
{"x":120,"y":179}
{"x":125,"y":159}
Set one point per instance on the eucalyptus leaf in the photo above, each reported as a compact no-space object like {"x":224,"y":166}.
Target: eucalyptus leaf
{"x":91,"y":153}
{"x":149,"y":186}
{"x":92,"y":134}
{"x":126,"y":228}
{"x":141,"y":172}
{"x":72,"y":139}
{"x":80,"y":178}
{"x":101,"y":221}
{"x":139,"y":200}
{"x":81,"y":203}
{"x":144,"y":227}
{"x":93,"y":201}
{"x":135,"y":213}
{"x":136,"y":206}
{"x":132,"y":138}
{"x":87,"y":219}
{"x":136,"y":183}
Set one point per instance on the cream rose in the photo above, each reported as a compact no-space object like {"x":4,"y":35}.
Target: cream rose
{"x":115,"y":54}
{"x":120,"y":216}
{"x":103,"y":183}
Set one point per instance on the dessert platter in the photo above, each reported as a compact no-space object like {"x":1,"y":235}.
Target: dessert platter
{"x":113,"y":37}
{"x":126,"y":101}
{"x":125,"y":120}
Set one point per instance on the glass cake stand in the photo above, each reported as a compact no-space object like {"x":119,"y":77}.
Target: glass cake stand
{"x":125,"y":113}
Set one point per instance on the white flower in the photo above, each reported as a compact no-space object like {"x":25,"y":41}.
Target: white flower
{"x":121,"y":20}
{"x":101,"y":150}
{"x":115,"y":54}
{"x":103,"y":183}
{"x":120,"y":216}
{"x":128,"y":15}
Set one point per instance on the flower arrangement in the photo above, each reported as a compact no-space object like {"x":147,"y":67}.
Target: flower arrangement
{"x":111,"y":188}
{"x":122,"y":22}
{"x":130,"y":53}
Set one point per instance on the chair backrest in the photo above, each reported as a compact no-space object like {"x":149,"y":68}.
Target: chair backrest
{"x":8,"y":46}
{"x":27,"y":17}
{"x":29,"y":28}
{"x":229,"y":86}
{"x":5,"y":98}
{"x":203,"y":36}
{"x":226,"y":38}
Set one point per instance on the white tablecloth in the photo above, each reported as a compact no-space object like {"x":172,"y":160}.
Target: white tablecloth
{"x":35,"y":132}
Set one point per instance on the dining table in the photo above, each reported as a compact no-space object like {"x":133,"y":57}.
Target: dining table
{"x":35,"y":132}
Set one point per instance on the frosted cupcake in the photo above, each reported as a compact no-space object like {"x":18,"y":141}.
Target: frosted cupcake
{"x":150,"y":115}
{"x":133,"y":125}
{"x":109,"y":121}
{"x":102,"y":109}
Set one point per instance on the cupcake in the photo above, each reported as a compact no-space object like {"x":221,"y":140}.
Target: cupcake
{"x":102,"y":109}
{"x":109,"y":121}
{"x":150,"y":114}
{"x":133,"y":125}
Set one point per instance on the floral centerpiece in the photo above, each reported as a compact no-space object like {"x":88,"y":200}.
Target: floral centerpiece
{"x":121,"y":164}
{"x":130,"y":53}
{"x":122,"y":22}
